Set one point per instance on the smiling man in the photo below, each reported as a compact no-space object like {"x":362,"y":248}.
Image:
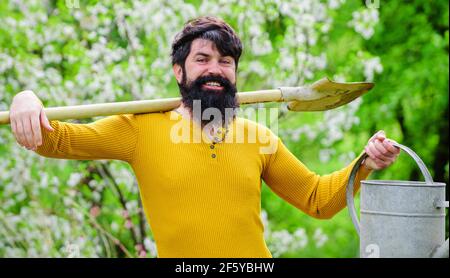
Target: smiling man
{"x":201,"y":199}
{"x":205,"y":57}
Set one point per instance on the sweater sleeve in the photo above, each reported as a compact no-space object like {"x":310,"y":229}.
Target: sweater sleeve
{"x":113,"y":137}
{"x":319,"y":196}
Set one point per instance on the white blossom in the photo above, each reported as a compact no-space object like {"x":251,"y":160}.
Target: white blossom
{"x":364,"y":22}
{"x":325,"y":154}
{"x":74,"y":179}
{"x":6,"y":62}
{"x":319,"y":237}
{"x":372,"y":66}
{"x":150,"y":246}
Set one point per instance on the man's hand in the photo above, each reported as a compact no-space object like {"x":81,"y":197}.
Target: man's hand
{"x":381,"y":151}
{"x":26,"y":115}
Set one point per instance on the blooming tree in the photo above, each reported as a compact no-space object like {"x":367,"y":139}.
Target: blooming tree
{"x":78,"y":52}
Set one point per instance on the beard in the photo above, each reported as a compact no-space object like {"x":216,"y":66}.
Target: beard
{"x":221,"y":104}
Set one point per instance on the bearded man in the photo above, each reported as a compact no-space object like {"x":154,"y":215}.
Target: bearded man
{"x":201,"y":199}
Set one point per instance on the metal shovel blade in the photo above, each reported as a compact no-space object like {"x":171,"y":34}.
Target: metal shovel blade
{"x":325,"y":94}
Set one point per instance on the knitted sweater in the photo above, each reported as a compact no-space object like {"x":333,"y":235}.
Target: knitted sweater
{"x":202,"y":199}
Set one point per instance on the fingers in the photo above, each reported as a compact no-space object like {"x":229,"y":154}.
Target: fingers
{"x":36,"y":128}
{"x":385,"y":153}
{"x":28,"y":133}
{"x":27,"y":130}
{"x":381,"y":151}
{"x":44,"y":121}
{"x":388,"y":144}
{"x":377,"y":151}
{"x":26,"y":115}
{"x":380,"y":163}
{"x":380,"y":135}
{"x":21,"y":138}
{"x":16,"y":132}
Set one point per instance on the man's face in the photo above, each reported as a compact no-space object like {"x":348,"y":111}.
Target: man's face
{"x":210,"y":79}
{"x":204,"y":60}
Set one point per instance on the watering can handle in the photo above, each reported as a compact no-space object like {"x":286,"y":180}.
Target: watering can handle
{"x":351,"y":180}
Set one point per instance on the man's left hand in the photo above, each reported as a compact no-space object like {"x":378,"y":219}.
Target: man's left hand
{"x":381,"y":151}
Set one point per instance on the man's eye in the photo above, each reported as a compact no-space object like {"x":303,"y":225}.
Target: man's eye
{"x":201,"y":60}
{"x":226,"y":62}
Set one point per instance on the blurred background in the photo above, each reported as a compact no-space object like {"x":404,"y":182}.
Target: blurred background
{"x":81,"y":52}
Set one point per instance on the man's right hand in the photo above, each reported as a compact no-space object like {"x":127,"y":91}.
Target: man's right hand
{"x":26,"y":116}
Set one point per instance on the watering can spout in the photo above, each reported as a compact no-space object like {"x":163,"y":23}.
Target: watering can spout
{"x":440,"y":251}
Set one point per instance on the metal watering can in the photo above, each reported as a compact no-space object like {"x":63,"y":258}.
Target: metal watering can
{"x":400,"y":218}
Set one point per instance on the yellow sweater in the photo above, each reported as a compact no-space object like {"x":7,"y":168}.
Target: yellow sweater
{"x":201,"y":199}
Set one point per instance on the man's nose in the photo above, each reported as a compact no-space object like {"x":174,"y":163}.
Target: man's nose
{"x":214,"y":68}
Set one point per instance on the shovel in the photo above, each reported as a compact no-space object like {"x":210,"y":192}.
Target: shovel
{"x":323,"y":94}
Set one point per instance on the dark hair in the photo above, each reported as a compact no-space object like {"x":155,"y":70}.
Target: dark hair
{"x":208,"y":28}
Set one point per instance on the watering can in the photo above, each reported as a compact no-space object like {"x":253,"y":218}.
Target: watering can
{"x":400,"y":219}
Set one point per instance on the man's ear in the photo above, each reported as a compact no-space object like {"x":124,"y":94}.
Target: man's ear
{"x":178,"y":71}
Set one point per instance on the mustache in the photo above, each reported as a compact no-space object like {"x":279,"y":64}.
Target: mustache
{"x":224,"y":82}
{"x":210,"y":98}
